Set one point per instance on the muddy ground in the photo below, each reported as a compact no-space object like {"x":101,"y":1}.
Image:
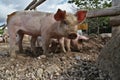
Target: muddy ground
{"x":75,"y":65}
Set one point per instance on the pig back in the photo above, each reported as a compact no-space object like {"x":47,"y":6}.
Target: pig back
{"x":30,"y":21}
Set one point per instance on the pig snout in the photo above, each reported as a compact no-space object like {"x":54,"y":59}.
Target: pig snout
{"x":72,"y":36}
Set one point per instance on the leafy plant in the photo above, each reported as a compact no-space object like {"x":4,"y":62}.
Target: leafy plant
{"x":1,"y":31}
{"x":94,"y":23}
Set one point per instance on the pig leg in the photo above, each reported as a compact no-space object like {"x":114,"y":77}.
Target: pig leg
{"x":12,"y":36}
{"x":45,"y":45}
{"x":61,"y":41}
{"x":20,"y":38}
{"x":38,"y":42}
{"x":67,"y":44}
{"x":33,"y":40}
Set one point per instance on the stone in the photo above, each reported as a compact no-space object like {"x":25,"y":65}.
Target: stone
{"x":52,"y":69}
{"x":40,"y":72}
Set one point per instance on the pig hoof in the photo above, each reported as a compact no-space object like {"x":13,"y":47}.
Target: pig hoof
{"x":64,"y":51}
{"x":42,"y":57}
{"x":48,"y":54}
{"x":13,"y":55}
{"x":12,"y":59}
{"x":20,"y":57}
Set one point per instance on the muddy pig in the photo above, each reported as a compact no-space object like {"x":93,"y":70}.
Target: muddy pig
{"x":47,"y":25}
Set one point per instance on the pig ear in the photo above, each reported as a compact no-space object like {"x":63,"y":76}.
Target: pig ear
{"x":81,"y":15}
{"x":60,"y":15}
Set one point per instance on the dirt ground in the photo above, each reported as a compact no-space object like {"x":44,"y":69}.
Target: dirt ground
{"x":75,"y":65}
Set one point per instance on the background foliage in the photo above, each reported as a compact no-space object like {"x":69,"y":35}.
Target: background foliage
{"x":96,"y":25}
{"x":1,"y":31}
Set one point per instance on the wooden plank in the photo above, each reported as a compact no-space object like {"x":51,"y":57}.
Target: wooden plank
{"x":113,"y":11}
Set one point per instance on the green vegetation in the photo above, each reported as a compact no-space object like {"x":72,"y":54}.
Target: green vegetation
{"x":95,"y":24}
{"x":91,"y":4}
{"x":1,"y":31}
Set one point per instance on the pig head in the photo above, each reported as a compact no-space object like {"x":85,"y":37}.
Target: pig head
{"x":47,"y":25}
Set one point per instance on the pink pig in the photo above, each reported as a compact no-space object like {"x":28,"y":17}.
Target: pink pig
{"x":46,"y":25}
{"x":76,"y":44}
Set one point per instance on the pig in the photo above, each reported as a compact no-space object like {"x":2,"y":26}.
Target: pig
{"x":54,"y":44}
{"x":2,"y":39}
{"x":68,"y":45}
{"x":76,"y":44}
{"x":6,"y":36}
{"x":38,"y":41}
{"x":47,"y":25}
{"x":63,"y":43}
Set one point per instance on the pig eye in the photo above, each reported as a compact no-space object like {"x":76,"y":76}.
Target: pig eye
{"x":66,"y":23}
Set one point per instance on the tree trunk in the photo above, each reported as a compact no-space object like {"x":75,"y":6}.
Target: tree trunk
{"x":37,"y":4}
{"x":28,"y":7}
{"x":109,"y":59}
{"x":34,"y":4}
